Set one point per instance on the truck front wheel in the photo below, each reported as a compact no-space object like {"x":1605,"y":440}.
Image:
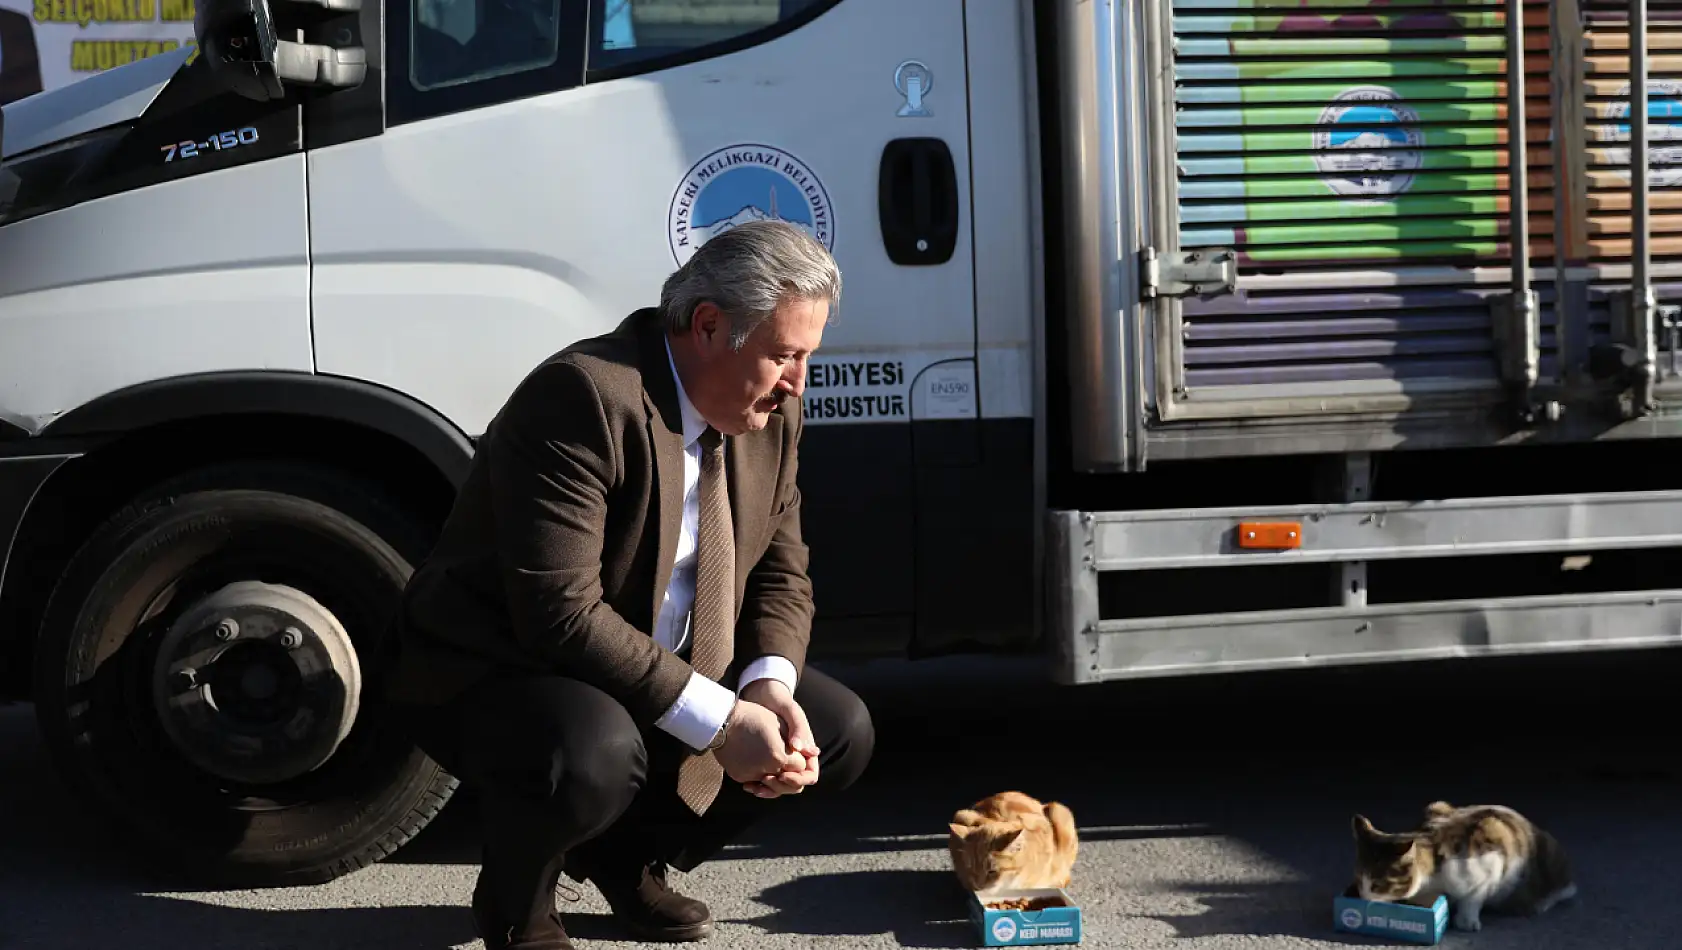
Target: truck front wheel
{"x":207,"y":676}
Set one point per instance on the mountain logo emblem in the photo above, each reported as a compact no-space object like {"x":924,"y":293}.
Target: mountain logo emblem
{"x":1368,"y":144}
{"x":741,"y":183}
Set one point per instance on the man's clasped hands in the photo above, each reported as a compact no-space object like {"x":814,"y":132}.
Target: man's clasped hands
{"x":769,"y":749}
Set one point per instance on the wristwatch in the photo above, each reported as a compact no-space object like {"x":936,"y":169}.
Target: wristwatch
{"x":723,"y":731}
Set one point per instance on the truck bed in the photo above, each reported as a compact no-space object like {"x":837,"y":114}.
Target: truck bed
{"x":1348,"y":228}
{"x":1333,"y":195}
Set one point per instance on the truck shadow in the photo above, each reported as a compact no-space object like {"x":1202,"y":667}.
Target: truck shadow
{"x":876,"y":817}
{"x":156,"y":922}
{"x":1255,"y":780}
{"x":936,"y":752}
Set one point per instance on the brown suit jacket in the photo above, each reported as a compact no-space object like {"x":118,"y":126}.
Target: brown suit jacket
{"x":557,"y":553}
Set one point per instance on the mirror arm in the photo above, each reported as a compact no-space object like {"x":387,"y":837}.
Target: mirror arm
{"x":241,"y":41}
{"x":311,"y":64}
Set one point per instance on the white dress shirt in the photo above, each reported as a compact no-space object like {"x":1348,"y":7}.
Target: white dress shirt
{"x":699,"y":712}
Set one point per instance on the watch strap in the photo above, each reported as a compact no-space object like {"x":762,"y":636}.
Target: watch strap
{"x":723,"y":733}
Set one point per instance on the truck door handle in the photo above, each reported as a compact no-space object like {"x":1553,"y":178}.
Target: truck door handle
{"x":917,"y":201}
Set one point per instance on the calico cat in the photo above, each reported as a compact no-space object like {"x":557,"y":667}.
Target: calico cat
{"x":1479,"y":855}
{"x":1010,"y":841}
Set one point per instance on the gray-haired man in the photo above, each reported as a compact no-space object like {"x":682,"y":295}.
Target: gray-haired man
{"x":628,"y":540}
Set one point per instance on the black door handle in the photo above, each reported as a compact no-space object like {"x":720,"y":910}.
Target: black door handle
{"x":917,"y":201}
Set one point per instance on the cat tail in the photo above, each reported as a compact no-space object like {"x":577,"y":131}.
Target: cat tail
{"x":1063,"y":827}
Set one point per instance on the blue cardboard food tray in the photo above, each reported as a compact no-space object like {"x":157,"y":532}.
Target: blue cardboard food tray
{"x":1408,"y":923}
{"x":1023,"y":928}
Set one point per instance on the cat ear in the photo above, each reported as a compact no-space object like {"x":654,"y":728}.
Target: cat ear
{"x":958,"y":830}
{"x":1362,"y":827}
{"x":1009,"y":841}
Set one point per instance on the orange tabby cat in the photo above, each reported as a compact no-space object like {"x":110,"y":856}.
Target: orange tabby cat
{"x":1012,"y":841}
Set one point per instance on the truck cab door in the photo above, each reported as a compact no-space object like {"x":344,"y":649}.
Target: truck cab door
{"x":136,"y":206}
{"x":548,"y":163}
{"x":854,"y":125}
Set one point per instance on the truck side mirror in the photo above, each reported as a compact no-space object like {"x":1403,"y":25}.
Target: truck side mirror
{"x":237,"y":37}
{"x":244,"y":50}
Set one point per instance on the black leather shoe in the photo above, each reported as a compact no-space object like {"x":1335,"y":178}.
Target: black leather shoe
{"x":539,"y":929}
{"x":646,"y":905}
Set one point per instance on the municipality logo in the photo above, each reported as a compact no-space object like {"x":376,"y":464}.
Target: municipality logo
{"x":743,"y":183}
{"x":1004,"y":930}
{"x":1368,"y":143}
{"x":1353,"y":918}
{"x":1664,"y":135}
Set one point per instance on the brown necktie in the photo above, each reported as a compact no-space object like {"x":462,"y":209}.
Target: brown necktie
{"x":712,"y":625}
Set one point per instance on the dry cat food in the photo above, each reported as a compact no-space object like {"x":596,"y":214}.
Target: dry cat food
{"x":1025,"y":903}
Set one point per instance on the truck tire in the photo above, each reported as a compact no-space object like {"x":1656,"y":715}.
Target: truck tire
{"x":208,"y":672}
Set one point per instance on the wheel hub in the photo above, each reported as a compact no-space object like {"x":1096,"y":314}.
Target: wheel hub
{"x":257,"y":683}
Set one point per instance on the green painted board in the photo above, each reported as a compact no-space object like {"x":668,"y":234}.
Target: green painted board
{"x":1369,"y":19}
{"x":1320,"y":93}
{"x":1193,"y":117}
{"x":1338,"y":46}
{"x":1371,"y":232}
{"x":1302,"y":141}
{"x":1338,"y":210}
{"x":1445,"y":183}
{"x":1302,"y":164}
{"x":1315,"y":5}
{"x":1361,"y":251}
{"x":1341,"y":129}
{"x":1344,"y":68}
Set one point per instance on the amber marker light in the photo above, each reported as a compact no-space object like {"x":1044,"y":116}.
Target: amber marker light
{"x":1270,"y":535}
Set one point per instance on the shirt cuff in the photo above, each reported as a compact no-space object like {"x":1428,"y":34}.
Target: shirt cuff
{"x":699,"y":712}
{"x":779,"y":668}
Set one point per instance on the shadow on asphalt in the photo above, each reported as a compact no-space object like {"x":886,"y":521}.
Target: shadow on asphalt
{"x":1201,"y":757}
{"x":861,"y":903}
{"x":142,"y":922}
{"x":1587,"y":745}
{"x":1258,"y":911}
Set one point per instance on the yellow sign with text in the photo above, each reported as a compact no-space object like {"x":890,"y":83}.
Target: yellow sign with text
{"x":45,"y":44}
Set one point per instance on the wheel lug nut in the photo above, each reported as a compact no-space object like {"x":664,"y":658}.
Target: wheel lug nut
{"x":227,"y":629}
{"x":292,"y":638}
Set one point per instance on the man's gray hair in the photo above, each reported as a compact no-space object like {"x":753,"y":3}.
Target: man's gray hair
{"x":747,"y":272}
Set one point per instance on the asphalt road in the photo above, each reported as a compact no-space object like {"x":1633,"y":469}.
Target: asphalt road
{"x":1215,"y":814}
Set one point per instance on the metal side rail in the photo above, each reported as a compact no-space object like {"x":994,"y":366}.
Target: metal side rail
{"x":1088,"y":649}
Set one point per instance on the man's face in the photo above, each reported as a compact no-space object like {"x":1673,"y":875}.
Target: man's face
{"x":736,"y":391}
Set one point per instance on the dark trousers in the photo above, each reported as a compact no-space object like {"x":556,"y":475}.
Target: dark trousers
{"x":563,"y":771}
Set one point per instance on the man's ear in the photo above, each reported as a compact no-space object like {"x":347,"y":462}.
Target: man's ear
{"x":708,"y":325}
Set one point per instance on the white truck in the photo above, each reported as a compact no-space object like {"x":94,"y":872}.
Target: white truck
{"x":1179,"y":337}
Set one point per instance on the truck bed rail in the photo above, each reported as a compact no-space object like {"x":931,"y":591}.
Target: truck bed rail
{"x":1089,"y":647}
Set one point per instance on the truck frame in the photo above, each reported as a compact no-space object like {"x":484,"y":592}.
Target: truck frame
{"x":1181,"y":337}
